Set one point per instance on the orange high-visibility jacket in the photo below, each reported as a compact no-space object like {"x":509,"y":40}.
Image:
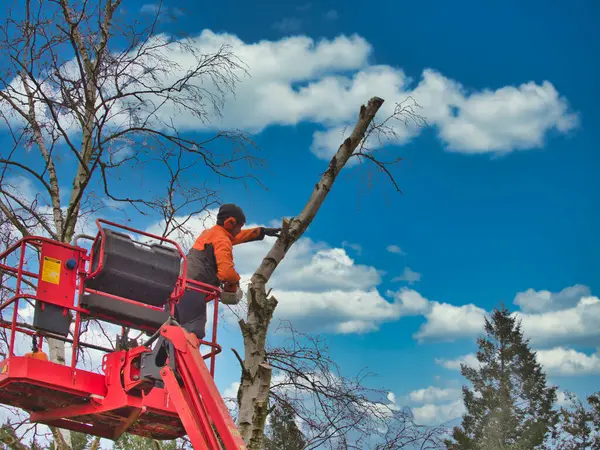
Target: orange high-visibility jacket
{"x":211,"y":261}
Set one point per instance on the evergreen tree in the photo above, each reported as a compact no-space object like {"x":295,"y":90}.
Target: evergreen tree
{"x":509,"y":407}
{"x":284,"y":434}
{"x":579,"y":427}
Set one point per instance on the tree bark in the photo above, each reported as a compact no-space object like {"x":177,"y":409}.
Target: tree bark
{"x":95,"y":443}
{"x":253,"y":394}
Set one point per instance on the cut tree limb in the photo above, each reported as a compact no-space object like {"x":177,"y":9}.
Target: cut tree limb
{"x":253,"y":394}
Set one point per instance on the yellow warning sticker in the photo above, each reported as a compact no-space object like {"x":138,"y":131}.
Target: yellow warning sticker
{"x":51,"y":270}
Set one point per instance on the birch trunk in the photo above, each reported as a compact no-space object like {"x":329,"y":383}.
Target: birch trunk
{"x":253,"y":394}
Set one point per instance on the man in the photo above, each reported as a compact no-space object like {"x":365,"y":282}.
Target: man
{"x":210,"y":261}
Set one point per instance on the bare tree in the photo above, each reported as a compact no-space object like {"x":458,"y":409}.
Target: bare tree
{"x":80,"y":112}
{"x":335,"y":411}
{"x":255,"y":386}
{"x":89,"y":98}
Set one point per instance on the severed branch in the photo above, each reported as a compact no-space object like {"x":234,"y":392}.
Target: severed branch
{"x":297,"y":226}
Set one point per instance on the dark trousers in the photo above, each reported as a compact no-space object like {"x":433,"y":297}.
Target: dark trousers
{"x":190,"y":312}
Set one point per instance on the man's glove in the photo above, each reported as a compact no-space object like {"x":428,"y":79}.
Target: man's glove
{"x":232,"y":298}
{"x":274,"y":232}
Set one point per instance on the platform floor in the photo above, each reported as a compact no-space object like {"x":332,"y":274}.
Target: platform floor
{"x":38,"y":386}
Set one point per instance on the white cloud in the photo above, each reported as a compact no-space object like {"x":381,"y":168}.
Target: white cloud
{"x":509,"y":118}
{"x":395,"y":249}
{"x":314,"y":269}
{"x":566,"y":362}
{"x":438,"y":414}
{"x":506,"y":119}
{"x":532,"y":301}
{"x":230,"y":397}
{"x":412,"y":302}
{"x":325,"y":82}
{"x":567,"y":317}
{"x":447,"y":322}
{"x":470,"y":360}
{"x":444,"y":322}
{"x":432,"y":405}
{"x":409,"y":275}
{"x":570,"y":325}
{"x":558,"y":361}
{"x":336,"y":311}
{"x":187,"y":234}
{"x":433,"y":394}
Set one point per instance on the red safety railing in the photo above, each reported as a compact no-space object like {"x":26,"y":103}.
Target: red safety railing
{"x":84,"y":271}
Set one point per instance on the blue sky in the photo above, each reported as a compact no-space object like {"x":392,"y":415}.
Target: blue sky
{"x":499,"y":192}
{"x":478,"y":228}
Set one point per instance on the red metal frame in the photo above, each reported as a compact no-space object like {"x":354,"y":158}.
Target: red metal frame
{"x":118,"y":401}
{"x":202,"y":397}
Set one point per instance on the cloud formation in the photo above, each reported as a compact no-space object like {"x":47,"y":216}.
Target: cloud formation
{"x":395,"y":249}
{"x":322,"y":288}
{"x":573,"y":323}
{"x":557,"y":361}
{"x":561,"y":361}
{"x":548,"y":319}
{"x":434,"y":405}
{"x":532,"y":301}
{"x":433,"y":394}
{"x":325,"y":81}
{"x":409,"y":275}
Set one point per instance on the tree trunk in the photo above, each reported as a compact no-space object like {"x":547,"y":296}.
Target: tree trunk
{"x":253,"y":394}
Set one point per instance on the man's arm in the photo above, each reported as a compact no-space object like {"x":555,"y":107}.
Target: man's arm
{"x":255,"y":234}
{"x":249,"y":235}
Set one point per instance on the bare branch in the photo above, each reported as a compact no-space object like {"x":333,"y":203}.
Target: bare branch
{"x":89,"y":103}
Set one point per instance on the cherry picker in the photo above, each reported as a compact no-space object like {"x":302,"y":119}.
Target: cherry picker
{"x":161,"y":386}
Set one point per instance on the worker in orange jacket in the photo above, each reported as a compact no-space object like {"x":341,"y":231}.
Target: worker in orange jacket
{"x":210,"y":261}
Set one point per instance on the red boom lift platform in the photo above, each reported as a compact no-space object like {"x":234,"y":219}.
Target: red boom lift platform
{"x":161,"y":388}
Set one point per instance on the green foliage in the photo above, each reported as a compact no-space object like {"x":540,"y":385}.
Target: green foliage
{"x":283,"y":432}
{"x":579,"y":426}
{"x":509,"y":407}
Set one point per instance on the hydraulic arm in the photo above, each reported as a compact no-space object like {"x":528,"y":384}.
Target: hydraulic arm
{"x":188,"y":382}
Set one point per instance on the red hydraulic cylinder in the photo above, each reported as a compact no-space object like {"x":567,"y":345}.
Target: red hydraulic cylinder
{"x":203,"y":399}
